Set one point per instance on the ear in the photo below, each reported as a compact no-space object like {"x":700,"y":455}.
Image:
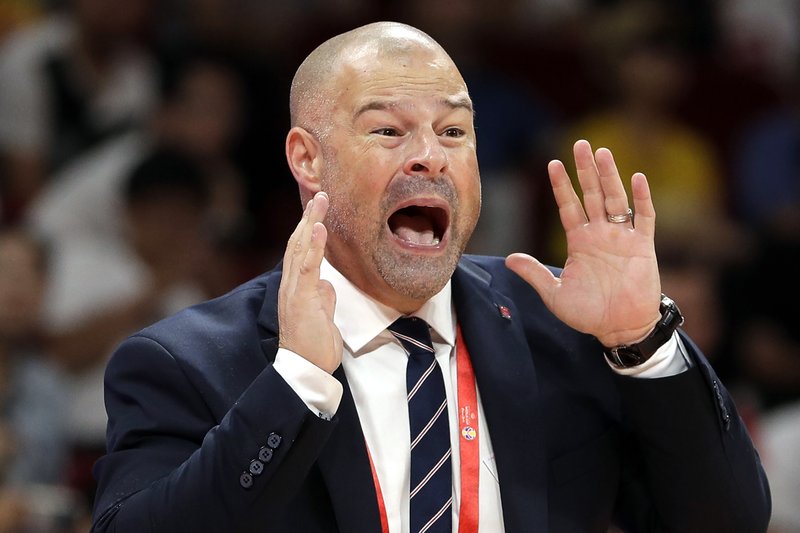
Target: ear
{"x":304,"y":155}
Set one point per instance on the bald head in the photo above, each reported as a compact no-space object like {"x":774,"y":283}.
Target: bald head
{"x":312,"y":96}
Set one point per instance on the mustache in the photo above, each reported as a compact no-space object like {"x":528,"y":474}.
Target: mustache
{"x":409,"y":186}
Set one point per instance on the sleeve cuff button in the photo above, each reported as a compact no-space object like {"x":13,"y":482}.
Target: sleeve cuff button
{"x":274,"y":440}
{"x":265,"y":454}
{"x":256,"y":467}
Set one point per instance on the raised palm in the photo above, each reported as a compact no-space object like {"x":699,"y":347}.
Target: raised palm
{"x":610,"y":286}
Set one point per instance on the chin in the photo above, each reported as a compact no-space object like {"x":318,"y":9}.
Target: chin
{"x":418,"y":276}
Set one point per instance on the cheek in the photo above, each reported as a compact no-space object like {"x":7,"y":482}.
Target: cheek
{"x":350,"y":206}
{"x":358,"y":207}
{"x":361,"y":184}
{"x":469,"y":194}
{"x":467,"y":179}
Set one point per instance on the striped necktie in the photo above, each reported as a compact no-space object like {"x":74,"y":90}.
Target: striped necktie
{"x":431,"y":478}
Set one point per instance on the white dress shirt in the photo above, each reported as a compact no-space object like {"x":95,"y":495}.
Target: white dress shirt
{"x":375,"y":366}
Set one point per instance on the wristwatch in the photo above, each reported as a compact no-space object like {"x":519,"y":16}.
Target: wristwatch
{"x":626,"y":356}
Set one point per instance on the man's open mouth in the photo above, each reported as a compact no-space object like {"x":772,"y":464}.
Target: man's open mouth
{"x":420,"y":225}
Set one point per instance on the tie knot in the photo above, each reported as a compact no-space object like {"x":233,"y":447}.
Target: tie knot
{"x":413,"y":333}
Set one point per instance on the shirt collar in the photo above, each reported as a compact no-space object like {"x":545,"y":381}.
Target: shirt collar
{"x":360,"y":318}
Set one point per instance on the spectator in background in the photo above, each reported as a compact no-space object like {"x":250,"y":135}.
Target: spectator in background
{"x":104,"y":290}
{"x":66,"y":84}
{"x":202,"y":118}
{"x":642,"y":66}
{"x":33,"y":447}
{"x":695,"y":280}
{"x":762,"y":34}
{"x":199,"y":117}
{"x":767,"y":198}
{"x":768,"y":339}
{"x":767,"y":179}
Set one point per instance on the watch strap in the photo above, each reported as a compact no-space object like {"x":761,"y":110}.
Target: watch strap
{"x":627,"y":356}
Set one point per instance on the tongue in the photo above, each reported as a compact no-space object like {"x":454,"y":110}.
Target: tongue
{"x":413,"y":229}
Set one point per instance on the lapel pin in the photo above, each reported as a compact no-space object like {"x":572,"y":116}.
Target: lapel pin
{"x":505,"y":312}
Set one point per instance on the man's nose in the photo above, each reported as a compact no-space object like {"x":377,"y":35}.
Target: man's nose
{"x":427,"y":156}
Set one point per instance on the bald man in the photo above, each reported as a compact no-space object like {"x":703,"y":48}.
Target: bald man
{"x":570,"y":400}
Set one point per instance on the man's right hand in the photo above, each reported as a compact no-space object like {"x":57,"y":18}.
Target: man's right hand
{"x":305,"y":302}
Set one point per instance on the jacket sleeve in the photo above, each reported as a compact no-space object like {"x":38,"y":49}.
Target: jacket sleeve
{"x":171,"y":466}
{"x":694,"y":466}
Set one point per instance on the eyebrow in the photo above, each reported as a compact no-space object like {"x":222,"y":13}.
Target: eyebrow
{"x":456,"y":102}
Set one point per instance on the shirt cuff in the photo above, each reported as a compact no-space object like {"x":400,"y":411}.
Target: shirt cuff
{"x":670,"y":359}
{"x":320,"y":391}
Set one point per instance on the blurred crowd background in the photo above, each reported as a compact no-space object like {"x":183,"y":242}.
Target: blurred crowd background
{"x":142,"y":170}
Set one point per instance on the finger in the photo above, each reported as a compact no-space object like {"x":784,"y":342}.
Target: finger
{"x":291,"y":246}
{"x":319,"y":208}
{"x":535,"y":273}
{"x":299,"y":245}
{"x":570,"y":209}
{"x":643,"y":204}
{"x":316,"y":214}
{"x":308,"y":280}
{"x":616,"y":199}
{"x":593,"y":197}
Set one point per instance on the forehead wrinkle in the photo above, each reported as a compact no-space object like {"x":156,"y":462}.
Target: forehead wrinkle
{"x":384,"y":104}
{"x":380,"y":76}
{"x":458,"y":102}
{"x":374,"y":105}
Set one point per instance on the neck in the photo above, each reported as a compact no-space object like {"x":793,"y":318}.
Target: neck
{"x":379,"y":291}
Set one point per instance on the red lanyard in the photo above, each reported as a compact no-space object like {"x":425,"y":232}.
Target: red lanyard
{"x":468,"y":444}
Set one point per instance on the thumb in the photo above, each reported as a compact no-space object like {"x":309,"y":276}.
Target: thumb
{"x":535,"y":273}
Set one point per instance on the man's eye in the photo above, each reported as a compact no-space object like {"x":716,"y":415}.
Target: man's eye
{"x":453,"y":132}
{"x":387,"y":132}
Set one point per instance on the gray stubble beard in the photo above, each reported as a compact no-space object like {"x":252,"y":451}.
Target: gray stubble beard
{"x":415,"y":276}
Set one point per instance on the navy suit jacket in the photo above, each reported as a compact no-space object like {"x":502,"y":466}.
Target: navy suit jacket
{"x":194,"y":399}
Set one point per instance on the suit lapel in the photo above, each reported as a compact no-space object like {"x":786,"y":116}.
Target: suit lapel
{"x":507,"y":385}
{"x":344,"y":462}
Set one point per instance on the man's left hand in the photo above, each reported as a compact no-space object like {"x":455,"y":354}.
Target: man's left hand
{"x":610,"y":286}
